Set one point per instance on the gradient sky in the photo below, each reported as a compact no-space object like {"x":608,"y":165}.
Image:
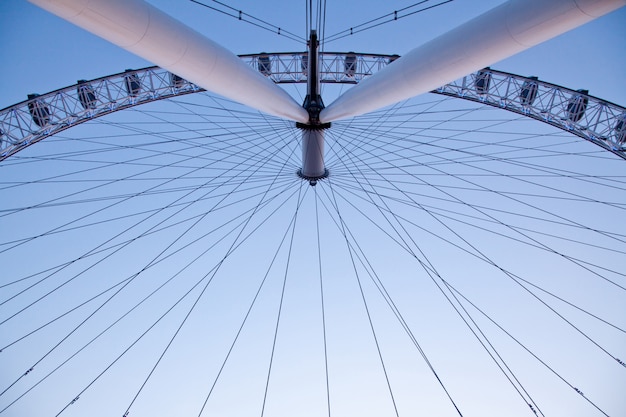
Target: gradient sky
{"x":41,"y":53}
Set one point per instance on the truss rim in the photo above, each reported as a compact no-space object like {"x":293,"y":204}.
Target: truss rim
{"x":596,"y":120}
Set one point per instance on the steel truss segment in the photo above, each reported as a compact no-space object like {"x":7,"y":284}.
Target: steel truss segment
{"x":593,"y":119}
{"x":335,"y":67}
{"x":41,"y":116}
{"x":575,"y":111}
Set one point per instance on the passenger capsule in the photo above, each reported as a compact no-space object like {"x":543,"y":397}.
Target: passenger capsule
{"x":264,"y":65}
{"x":528,"y":93}
{"x":176,"y":81}
{"x":304,"y":64}
{"x":39,"y":111}
{"x":133,"y":83}
{"x":620,"y":131}
{"x":86,"y":95}
{"x":482,"y":81}
{"x":577,"y":105}
{"x":349,"y":65}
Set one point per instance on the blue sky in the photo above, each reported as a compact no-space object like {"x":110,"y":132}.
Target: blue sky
{"x":42,"y":53}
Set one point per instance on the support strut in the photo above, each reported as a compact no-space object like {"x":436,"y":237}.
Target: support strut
{"x":313,"y":167}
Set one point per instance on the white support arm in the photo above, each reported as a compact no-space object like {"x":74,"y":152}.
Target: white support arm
{"x":151,"y":34}
{"x":495,"y":35}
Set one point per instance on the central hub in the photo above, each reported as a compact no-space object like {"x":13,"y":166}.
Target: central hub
{"x":312,"y":180}
{"x":313,"y":167}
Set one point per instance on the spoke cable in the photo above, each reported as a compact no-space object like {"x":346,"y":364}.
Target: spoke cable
{"x":240,"y":15}
{"x":390,"y":17}
{"x":280,"y":307}
{"x":430,"y":270}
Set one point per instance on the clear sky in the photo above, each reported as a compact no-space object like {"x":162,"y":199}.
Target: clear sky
{"x":554,"y":219}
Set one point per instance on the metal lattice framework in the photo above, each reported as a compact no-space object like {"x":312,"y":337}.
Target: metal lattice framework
{"x":41,"y":116}
{"x":335,"y":67}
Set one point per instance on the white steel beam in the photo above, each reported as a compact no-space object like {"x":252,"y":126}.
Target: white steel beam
{"x":495,"y":35}
{"x":153,"y":35}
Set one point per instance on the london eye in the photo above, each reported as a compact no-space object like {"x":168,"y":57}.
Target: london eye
{"x":176,"y":247}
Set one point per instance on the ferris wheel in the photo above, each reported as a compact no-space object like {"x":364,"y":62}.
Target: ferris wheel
{"x":315,"y":232}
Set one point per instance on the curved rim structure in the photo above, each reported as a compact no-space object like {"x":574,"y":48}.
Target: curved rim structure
{"x":591,"y":118}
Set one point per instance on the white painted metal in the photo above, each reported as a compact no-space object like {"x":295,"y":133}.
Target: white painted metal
{"x":151,"y":34}
{"x":504,"y":31}
{"x":313,"y":153}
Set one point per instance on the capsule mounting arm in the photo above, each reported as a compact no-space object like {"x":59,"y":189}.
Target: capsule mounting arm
{"x":144,"y":30}
{"x":495,"y":35}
